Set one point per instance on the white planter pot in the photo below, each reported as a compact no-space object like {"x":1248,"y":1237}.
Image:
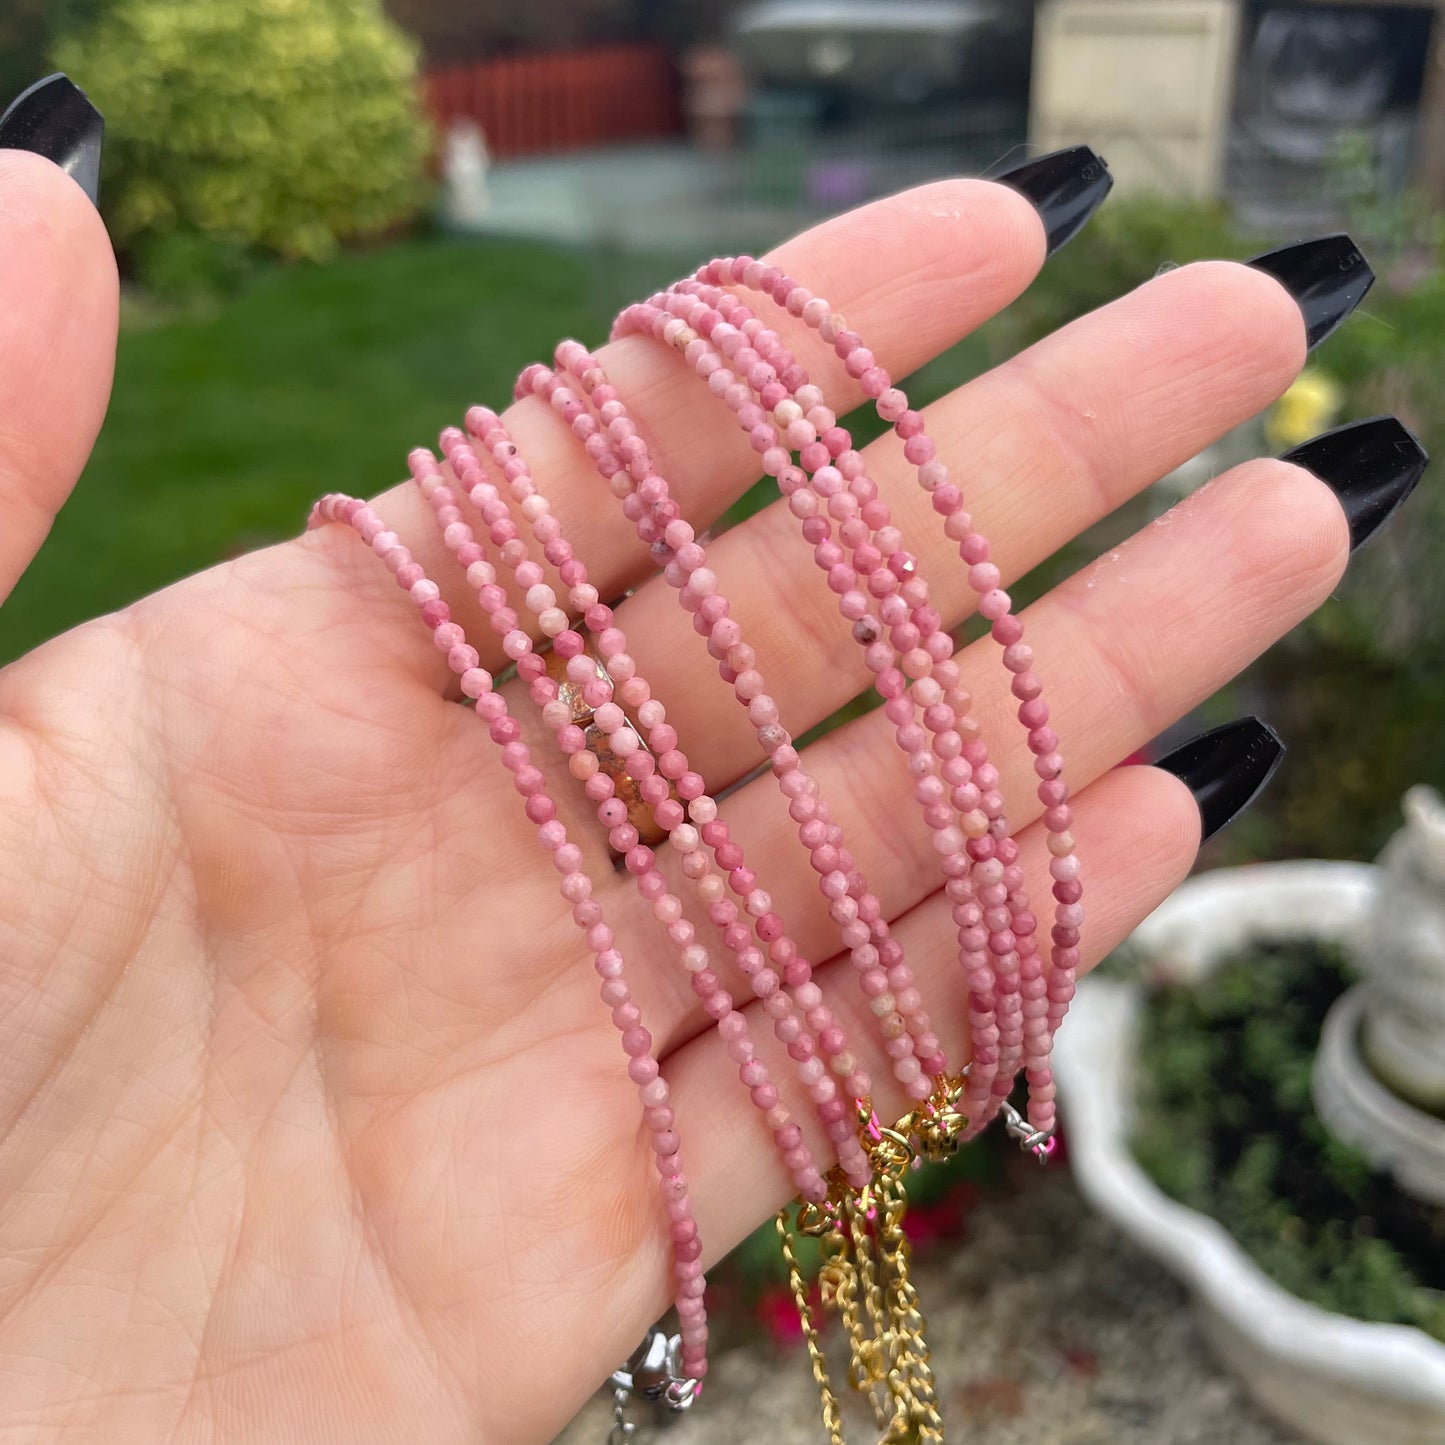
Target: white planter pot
{"x":1338,"y":1380}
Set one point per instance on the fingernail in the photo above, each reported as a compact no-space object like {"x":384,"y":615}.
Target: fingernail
{"x":1371,"y":466}
{"x":1065,"y":187}
{"x":1327,"y":278}
{"x":56,"y":120}
{"x":1226,"y":769}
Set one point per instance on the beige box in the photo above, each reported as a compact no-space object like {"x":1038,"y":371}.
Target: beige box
{"x":1147,"y":83}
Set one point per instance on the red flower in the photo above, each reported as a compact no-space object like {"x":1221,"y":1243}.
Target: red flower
{"x":778,"y":1315}
{"x":944,"y":1218}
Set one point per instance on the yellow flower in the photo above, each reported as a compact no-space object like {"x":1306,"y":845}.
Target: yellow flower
{"x":1305,"y":410}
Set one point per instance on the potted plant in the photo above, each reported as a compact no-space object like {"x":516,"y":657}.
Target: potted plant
{"x":1364,"y":1103}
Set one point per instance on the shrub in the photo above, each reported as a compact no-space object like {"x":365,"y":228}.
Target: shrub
{"x":281,"y":125}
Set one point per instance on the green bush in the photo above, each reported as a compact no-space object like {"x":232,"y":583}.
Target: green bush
{"x":286,"y":126}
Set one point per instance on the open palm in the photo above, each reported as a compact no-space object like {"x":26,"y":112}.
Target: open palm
{"x":312,"y":1127}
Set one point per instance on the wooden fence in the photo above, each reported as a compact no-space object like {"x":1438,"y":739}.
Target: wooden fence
{"x":528,"y":104}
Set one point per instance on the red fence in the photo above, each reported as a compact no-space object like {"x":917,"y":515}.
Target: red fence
{"x":530,"y":103}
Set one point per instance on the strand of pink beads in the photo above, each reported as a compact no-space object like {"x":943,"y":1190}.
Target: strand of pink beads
{"x":902,"y":621}
{"x":611,"y":642}
{"x":1041,"y":1002}
{"x":650,"y":882}
{"x":725,"y":641}
{"x":806,"y":1038}
{"x":840,"y":489}
{"x":576,"y":888}
{"x":852,"y":907}
{"x":901,"y":635}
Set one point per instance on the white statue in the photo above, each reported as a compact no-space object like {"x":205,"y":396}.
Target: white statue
{"x":1379,"y":1077}
{"x":1403,"y":957}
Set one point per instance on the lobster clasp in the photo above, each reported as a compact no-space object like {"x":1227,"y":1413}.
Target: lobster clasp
{"x":939,"y":1124}
{"x":655,"y":1372}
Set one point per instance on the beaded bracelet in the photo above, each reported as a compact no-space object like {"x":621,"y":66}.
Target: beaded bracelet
{"x":1015,"y":1002}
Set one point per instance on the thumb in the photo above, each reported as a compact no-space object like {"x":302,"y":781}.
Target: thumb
{"x":58,"y":317}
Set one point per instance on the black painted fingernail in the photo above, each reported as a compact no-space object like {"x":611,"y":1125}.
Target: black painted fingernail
{"x":1226,"y":769}
{"x":1371,"y":466}
{"x":55,"y":119}
{"x":1065,"y":187}
{"x":1327,"y":278}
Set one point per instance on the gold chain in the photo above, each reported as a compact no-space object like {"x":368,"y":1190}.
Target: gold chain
{"x":915,"y":1375}
{"x":869,"y":1368}
{"x":832,"y":1421}
{"x":864,"y":1275}
{"x":842,"y":1284}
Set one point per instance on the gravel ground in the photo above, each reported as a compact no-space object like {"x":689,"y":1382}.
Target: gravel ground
{"x":1099,"y":1348}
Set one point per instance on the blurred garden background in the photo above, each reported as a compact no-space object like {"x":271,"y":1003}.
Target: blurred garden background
{"x":340,"y":223}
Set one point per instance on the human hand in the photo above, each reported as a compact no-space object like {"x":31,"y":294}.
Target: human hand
{"x":312,"y":1126}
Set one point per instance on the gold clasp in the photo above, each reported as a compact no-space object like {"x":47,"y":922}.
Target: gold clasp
{"x":890,"y":1151}
{"x":939,"y":1125}
{"x":816,"y":1219}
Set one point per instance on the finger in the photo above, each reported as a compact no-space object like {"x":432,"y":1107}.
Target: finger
{"x":1140,"y":828}
{"x":1125,"y":647}
{"x":1054,"y":440}
{"x":917,"y":271}
{"x":58,"y":316}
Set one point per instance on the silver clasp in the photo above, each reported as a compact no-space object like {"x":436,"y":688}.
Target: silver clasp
{"x":1040,"y":1142}
{"x":655,"y":1373}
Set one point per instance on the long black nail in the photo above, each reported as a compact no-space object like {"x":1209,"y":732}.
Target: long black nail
{"x":1065,"y":187}
{"x":1226,"y":769}
{"x":56,"y":120}
{"x":1371,"y":466}
{"x":1327,"y":278}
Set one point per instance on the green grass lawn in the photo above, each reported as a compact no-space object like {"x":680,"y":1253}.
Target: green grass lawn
{"x":224,"y":427}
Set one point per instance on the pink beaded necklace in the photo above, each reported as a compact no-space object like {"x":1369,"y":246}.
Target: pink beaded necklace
{"x":1015,"y":1001}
